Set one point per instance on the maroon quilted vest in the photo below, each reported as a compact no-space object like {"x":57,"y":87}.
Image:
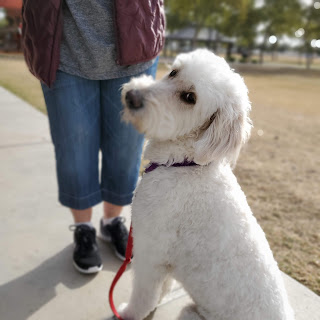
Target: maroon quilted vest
{"x":139,"y":24}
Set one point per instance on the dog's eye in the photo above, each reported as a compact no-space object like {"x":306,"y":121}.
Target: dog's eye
{"x":188,"y":97}
{"x":173,"y":73}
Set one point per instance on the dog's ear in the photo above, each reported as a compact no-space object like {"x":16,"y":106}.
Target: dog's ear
{"x":228,"y":130}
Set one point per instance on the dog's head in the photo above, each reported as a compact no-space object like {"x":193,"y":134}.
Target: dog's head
{"x":201,"y":97}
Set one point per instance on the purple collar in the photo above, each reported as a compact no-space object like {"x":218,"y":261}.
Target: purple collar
{"x":185,"y":163}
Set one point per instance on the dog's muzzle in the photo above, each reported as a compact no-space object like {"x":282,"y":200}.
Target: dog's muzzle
{"x":134,"y":99}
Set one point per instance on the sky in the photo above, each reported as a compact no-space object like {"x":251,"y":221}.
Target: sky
{"x":307,"y":2}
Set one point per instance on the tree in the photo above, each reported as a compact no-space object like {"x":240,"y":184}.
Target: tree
{"x":310,"y":23}
{"x":3,"y":19}
{"x":241,"y":22}
{"x":278,"y":17}
{"x":202,"y":13}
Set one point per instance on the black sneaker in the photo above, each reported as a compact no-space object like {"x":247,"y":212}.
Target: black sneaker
{"x":116,"y":233}
{"x":86,"y":257}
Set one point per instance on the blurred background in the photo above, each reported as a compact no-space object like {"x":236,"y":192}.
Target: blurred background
{"x":275,"y":46}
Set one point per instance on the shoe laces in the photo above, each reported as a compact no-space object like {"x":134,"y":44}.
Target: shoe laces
{"x":119,"y":229}
{"x":84,"y":236}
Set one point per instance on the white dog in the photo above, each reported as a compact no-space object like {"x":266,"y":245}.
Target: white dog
{"x":190,"y":218}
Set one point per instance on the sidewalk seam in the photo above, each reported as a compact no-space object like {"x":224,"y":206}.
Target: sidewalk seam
{"x":17,"y":145}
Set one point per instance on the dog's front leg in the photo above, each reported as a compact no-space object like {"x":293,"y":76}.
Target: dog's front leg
{"x":147,"y":287}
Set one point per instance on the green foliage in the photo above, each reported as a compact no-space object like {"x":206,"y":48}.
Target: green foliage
{"x":3,"y":23}
{"x":231,"y":59}
{"x":240,"y":19}
{"x":241,"y":22}
{"x":310,"y":24}
{"x":202,"y":13}
{"x":280,"y":17}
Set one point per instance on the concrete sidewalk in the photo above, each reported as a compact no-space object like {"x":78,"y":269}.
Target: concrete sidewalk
{"x":37,"y":279}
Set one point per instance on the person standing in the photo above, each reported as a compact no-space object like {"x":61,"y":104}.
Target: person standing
{"x":83,"y":52}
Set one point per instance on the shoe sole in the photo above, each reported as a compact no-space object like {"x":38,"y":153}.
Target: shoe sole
{"x":91,"y":270}
{"x":108,"y":239}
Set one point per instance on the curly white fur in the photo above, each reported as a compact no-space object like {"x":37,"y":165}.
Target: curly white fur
{"x":194,"y":223}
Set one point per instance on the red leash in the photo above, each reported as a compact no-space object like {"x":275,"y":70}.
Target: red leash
{"x":120,"y":272}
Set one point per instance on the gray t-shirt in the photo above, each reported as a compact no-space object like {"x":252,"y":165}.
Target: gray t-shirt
{"x":88,"y":46}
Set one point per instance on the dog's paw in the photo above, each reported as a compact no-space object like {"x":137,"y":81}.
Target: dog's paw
{"x":122,"y":306}
{"x":124,"y":312}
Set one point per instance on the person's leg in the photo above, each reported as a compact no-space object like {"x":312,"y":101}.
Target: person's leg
{"x":111,"y":210}
{"x":121,"y":147}
{"x":82,"y":216}
{"x":73,"y":106}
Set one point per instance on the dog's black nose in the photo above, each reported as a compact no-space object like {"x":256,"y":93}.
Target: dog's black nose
{"x":134,"y":99}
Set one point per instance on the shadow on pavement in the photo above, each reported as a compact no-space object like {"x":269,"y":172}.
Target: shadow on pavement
{"x":23,"y":296}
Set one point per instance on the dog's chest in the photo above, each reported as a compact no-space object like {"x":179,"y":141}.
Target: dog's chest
{"x":163,"y":183}
{"x":173,"y":193}
{"x":164,"y":188}
{"x":162,"y":205}
{"x":169,"y":195}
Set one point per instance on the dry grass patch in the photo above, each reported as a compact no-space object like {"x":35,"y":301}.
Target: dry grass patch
{"x":15,"y":76}
{"x":279,"y":169}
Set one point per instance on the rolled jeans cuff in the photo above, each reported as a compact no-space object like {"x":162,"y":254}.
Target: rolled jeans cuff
{"x":117,"y":199}
{"x":80,"y":203}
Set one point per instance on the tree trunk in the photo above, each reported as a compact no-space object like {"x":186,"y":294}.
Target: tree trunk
{"x":262,"y":48}
{"x":308,"y":60}
{"x":261,"y":56}
{"x":300,"y":56}
{"x":229,"y":50}
{"x":195,"y":38}
{"x":165,"y":49}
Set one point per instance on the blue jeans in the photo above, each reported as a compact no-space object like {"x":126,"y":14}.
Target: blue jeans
{"x":85,"y":117}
